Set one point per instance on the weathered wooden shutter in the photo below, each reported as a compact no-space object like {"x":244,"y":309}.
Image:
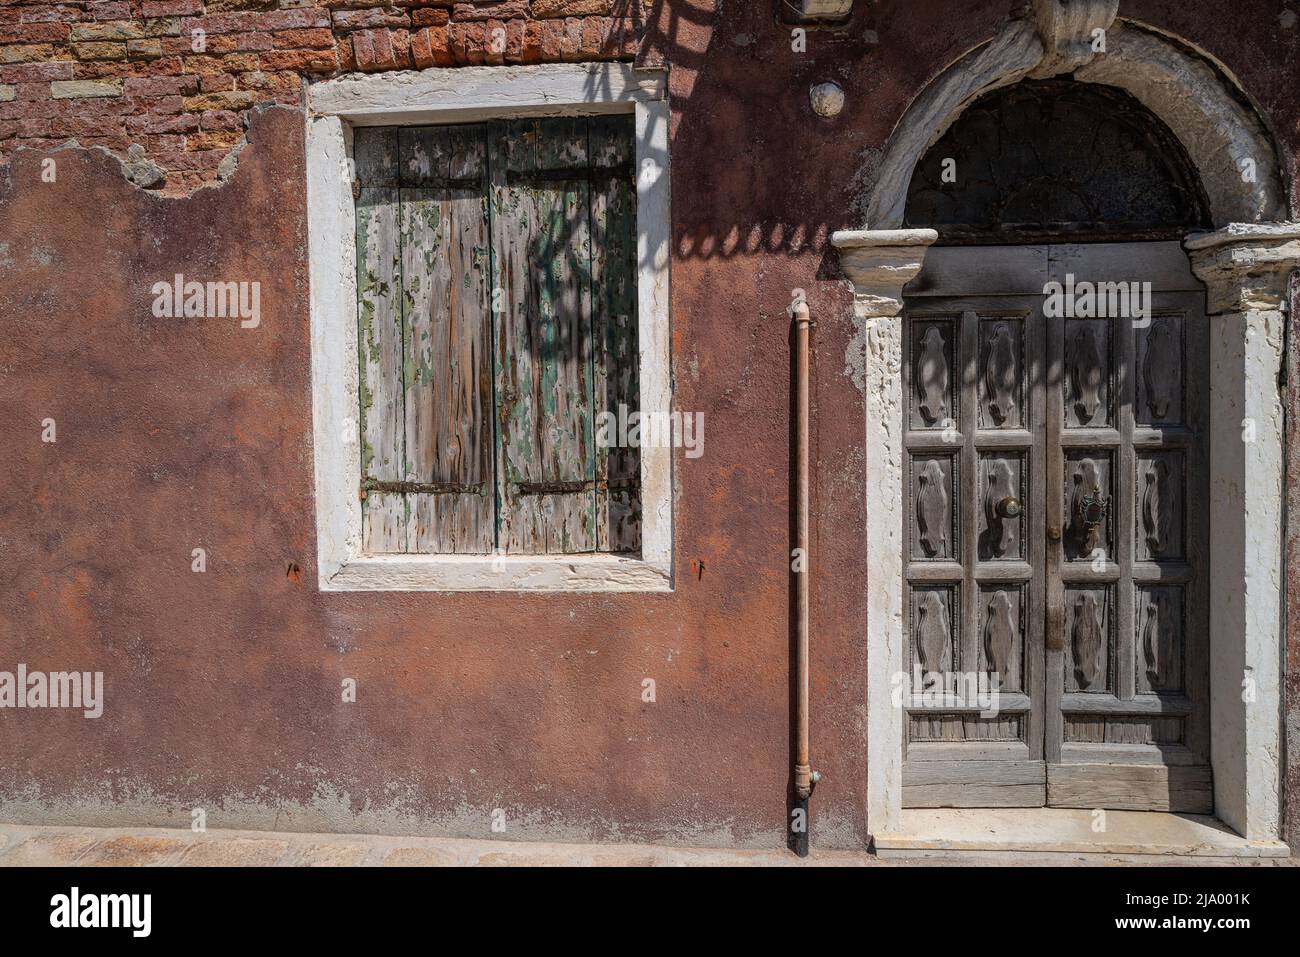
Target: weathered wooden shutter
{"x":423,"y":264}
{"x":614,"y":305}
{"x":497,"y":273}
{"x":379,"y":339}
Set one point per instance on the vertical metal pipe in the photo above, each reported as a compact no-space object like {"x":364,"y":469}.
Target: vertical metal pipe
{"x":803,"y":777}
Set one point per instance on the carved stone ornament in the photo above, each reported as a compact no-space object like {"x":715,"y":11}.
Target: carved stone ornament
{"x":1245,"y":265}
{"x":880,"y":262}
{"x":1068,"y":31}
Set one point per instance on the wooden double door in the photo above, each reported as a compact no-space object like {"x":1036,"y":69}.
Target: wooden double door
{"x":1056,"y":556}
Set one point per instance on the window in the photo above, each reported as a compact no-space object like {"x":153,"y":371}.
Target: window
{"x":496,"y":281}
{"x":507,"y":274}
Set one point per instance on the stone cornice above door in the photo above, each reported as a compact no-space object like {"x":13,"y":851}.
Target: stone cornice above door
{"x":1245,"y":266}
{"x":879,"y":263}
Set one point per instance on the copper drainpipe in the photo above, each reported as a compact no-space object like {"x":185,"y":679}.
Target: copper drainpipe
{"x":804,"y":776}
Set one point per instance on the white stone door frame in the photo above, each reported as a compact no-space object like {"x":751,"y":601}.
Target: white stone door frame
{"x":1245,"y":264}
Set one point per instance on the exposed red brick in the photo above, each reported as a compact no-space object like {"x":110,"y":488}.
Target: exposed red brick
{"x":26,"y":54}
{"x":372,"y":19}
{"x":149,"y":49}
{"x":571,"y":41}
{"x":347,"y":60}
{"x":111,"y":10}
{"x":244,"y":22}
{"x":468,"y":43}
{"x":552,"y":35}
{"x":157,"y":105}
{"x":277,"y":82}
{"x":31,"y":128}
{"x":181,"y":123}
{"x":515,"y":41}
{"x":256,"y":52}
{"x":500,"y":10}
{"x":309,"y":61}
{"x":210,"y":65}
{"x":543,"y":9}
{"x":36,"y":71}
{"x":440,"y":44}
{"x":221,"y":120}
{"x":35,"y":33}
{"x":161,"y":86}
{"x":108,"y":68}
{"x":233,"y":100}
{"x":234,"y":6}
{"x":314,"y":38}
{"x":620,"y":38}
{"x":590,"y":41}
{"x":210,"y":141}
{"x":170,"y":8}
{"x":381,"y":50}
{"x":532,"y":44}
{"x":164,"y":142}
{"x":430,"y":17}
{"x":221,"y":43}
{"x":17,"y":111}
{"x":99,"y":51}
{"x":216,"y":82}
{"x":495,"y":54}
{"x":421,"y":52}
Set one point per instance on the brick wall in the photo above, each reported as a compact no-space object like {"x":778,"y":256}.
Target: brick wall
{"x":139,"y":78}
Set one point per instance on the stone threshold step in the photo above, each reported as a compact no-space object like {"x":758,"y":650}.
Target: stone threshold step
{"x":924,"y":831}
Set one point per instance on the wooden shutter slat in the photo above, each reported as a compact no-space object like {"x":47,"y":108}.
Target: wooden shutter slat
{"x":614,"y":299}
{"x":541,"y":241}
{"x":448,"y":369}
{"x":380,"y":346}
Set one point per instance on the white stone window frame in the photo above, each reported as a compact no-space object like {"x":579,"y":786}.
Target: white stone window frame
{"x":465,"y":95}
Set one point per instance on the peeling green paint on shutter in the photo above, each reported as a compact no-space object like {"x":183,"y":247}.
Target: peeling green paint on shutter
{"x":614,"y":304}
{"x":541,"y":238}
{"x":379,"y":341}
{"x":447,"y":362}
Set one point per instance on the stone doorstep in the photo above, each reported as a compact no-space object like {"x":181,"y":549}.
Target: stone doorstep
{"x":40,"y":846}
{"x":1039,"y":831}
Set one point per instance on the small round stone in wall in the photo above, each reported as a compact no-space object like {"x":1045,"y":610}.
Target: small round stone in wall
{"x":827,"y":99}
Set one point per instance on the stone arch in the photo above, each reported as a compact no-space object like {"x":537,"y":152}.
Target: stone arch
{"x":1208,"y":114}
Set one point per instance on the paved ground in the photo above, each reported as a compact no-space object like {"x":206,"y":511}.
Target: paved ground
{"x":22,"y":845}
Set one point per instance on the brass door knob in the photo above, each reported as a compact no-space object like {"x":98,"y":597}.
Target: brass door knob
{"x":1009,"y":507}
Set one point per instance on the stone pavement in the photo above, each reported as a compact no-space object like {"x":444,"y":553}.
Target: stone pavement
{"x":41,"y":846}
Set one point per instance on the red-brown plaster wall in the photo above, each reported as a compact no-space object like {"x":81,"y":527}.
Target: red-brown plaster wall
{"x":223,"y":688}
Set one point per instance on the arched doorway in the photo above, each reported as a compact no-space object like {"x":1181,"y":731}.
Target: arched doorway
{"x":1056,"y":425}
{"x":1243,"y":259}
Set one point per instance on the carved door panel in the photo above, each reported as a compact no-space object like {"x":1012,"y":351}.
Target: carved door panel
{"x":1053,"y":548}
{"x":973,"y":421}
{"x":1127,"y":634}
